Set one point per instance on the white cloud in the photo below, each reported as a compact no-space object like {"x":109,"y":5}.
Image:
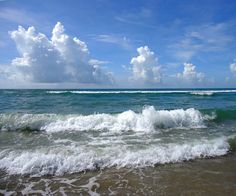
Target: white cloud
{"x":16,"y":16}
{"x":52,"y":60}
{"x":202,"y":38}
{"x":115,"y":39}
{"x":145,"y":66}
{"x":97,"y":62}
{"x":139,"y":17}
{"x":190,"y":74}
{"x":233,"y":67}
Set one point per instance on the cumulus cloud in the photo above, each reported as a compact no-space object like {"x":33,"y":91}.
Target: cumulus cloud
{"x":145,"y":66}
{"x":190,"y":74}
{"x":232,"y":67}
{"x":60,"y":58}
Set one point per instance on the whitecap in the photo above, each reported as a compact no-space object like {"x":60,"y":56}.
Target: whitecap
{"x":68,"y":159}
{"x":149,"y":119}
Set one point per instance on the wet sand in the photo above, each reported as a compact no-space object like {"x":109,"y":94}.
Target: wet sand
{"x":216,"y":176}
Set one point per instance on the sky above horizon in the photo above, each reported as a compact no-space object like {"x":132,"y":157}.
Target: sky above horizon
{"x":117,"y":44}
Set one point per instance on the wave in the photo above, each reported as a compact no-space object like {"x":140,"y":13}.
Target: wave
{"x":147,"y":120}
{"x":192,"y":92}
{"x":223,"y":115}
{"x":203,"y":93}
{"x":114,"y":92}
{"x":69,"y":159}
{"x":210,"y":92}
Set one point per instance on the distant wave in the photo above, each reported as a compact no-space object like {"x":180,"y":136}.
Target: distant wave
{"x":207,"y":93}
{"x":192,"y":92}
{"x":112,"y":92}
{"x":62,"y":159}
{"x":147,"y":120}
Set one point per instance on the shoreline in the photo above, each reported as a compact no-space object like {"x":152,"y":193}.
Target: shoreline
{"x":206,"y":176}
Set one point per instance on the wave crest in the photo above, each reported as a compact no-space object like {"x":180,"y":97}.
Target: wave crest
{"x":193,"y":92}
{"x":203,"y":93}
{"x":147,"y":120}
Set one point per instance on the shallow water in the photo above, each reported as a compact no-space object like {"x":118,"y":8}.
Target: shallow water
{"x":215,"y":176}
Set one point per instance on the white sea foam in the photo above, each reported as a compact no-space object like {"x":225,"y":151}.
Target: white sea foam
{"x":207,"y":93}
{"x":193,"y":92}
{"x":68,"y":159}
{"x":111,"y":91}
{"x":147,"y":120}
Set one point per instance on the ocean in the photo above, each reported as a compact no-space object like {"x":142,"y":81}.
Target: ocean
{"x":118,"y":142}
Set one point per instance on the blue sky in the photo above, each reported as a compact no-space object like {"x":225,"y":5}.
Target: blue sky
{"x":135,"y":43}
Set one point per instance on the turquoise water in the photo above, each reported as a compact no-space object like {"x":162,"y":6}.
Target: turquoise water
{"x":112,"y":101}
{"x":65,"y":131}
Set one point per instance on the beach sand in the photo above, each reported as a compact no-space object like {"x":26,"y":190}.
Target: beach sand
{"x":215,"y":176}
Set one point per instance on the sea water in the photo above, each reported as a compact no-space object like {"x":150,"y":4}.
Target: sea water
{"x":57,"y":135}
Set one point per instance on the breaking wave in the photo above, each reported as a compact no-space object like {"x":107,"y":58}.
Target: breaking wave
{"x":148,"y":119}
{"x":69,"y":159}
{"x":203,"y":93}
{"x":192,"y":92}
